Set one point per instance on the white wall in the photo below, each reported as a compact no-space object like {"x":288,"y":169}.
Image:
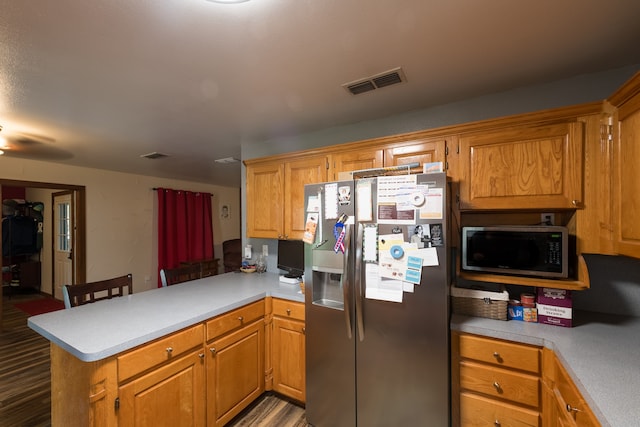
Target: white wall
{"x":121,"y":216}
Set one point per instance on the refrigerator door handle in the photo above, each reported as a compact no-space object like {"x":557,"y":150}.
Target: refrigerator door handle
{"x":346,"y":280}
{"x":358,"y":282}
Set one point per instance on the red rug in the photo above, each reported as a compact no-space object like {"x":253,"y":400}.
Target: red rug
{"x":40,"y":306}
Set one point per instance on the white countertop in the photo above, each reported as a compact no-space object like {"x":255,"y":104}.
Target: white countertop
{"x":95,"y":331}
{"x":601,"y":354}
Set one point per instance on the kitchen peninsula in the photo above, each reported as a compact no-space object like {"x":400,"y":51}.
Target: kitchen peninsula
{"x":105,"y":354}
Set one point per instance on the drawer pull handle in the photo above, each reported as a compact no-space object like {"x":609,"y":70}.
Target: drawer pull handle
{"x":288,"y":312}
{"x":201,"y":355}
{"x":497,"y":423}
{"x":572,"y":408}
{"x":169,"y":350}
{"x":241,"y":319}
{"x":496,"y":385}
{"x":497,"y":356}
{"x":212,"y":350}
{"x":304,"y":330}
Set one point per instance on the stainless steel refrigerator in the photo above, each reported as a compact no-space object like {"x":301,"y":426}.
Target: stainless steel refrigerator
{"x":377,"y":355}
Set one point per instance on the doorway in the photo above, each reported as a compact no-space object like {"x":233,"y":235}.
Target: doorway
{"x":77,"y":227}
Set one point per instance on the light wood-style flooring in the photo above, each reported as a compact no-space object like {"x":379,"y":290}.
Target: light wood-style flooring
{"x":25,"y":380}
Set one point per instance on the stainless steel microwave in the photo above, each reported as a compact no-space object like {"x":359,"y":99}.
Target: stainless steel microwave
{"x":539,"y":251}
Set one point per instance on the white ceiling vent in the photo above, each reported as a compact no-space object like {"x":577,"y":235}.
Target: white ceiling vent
{"x":378,"y":81}
{"x":154,"y":155}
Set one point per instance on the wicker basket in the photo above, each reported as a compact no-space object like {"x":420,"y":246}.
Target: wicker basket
{"x":478,"y":303}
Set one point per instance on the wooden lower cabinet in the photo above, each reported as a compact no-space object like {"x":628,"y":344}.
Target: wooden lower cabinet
{"x":563,"y":403}
{"x":288,"y":349}
{"x":170,"y":395}
{"x":501,"y":383}
{"x":235,"y":372}
{"x":495,"y":382}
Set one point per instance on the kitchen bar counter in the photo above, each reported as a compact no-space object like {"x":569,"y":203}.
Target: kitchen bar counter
{"x":601,"y":353}
{"x":95,"y":331}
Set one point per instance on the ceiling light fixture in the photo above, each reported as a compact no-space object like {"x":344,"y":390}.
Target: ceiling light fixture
{"x":227,"y":160}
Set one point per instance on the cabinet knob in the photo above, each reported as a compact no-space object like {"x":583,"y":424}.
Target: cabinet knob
{"x":497,"y":356}
{"x":304,"y":330}
{"x":572,"y":408}
{"x":212,"y":350}
{"x":201,"y":355}
{"x":241,"y":319}
{"x":288,"y":312}
{"x":497,"y":423}
{"x":169,"y":350}
{"x":576,"y":203}
{"x":496,"y":385}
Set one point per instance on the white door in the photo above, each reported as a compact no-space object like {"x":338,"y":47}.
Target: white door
{"x":63,"y":238}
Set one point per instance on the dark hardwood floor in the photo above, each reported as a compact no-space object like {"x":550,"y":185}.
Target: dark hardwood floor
{"x":25,"y":380}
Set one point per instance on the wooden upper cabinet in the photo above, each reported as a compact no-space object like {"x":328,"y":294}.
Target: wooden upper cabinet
{"x":522,"y":168}
{"x":275,"y":195}
{"x":626,"y":169}
{"x":351,"y":160}
{"x":264,"y":199}
{"x":298,"y":173}
{"x":427,"y":151}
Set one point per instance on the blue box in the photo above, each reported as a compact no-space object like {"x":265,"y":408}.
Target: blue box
{"x":515,"y":312}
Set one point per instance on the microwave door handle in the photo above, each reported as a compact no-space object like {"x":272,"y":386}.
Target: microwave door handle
{"x":346,"y":280}
{"x":358,"y":282}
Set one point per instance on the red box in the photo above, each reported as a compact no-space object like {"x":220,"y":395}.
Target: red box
{"x":555,"y":307}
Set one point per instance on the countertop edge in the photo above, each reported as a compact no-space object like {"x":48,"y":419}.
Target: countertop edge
{"x":44,"y":324}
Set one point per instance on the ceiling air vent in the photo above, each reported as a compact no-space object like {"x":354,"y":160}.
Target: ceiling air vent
{"x":154,"y":155}
{"x":378,"y":81}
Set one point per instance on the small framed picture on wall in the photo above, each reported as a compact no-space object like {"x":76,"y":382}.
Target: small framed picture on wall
{"x":224,"y":212}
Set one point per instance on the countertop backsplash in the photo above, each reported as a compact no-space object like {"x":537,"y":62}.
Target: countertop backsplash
{"x":615,"y":286}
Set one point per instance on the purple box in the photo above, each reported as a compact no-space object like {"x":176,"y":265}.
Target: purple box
{"x":555,"y":307}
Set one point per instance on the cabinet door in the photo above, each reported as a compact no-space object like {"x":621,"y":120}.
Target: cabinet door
{"x":170,"y":395}
{"x":288,"y":345}
{"x":346,"y":161}
{"x":522,"y":168}
{"x":235,"y":373}
{"x":627,"y":179}
{"x":264,"y":200}
{"x":298,"y":173}
{"x":427,"y":151}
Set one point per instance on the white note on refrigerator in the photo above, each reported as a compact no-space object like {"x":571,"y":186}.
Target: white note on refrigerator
{"x":379,"y":288}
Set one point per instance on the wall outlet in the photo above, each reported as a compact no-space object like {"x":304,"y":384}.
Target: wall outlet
{"x":247,"y":252}
{"x":265,"y":250}
{"x":548,"y":219}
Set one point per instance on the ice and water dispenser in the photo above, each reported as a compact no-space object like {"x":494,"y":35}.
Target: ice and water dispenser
{"x":327,"y":274}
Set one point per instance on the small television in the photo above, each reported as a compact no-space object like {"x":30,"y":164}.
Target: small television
{"x":291,"y":257}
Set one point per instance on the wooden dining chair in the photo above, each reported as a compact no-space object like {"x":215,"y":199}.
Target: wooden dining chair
{"x":173,"y":276}
{"x":85,"y":293}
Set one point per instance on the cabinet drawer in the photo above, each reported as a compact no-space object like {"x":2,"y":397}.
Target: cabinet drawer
{"x":234,"y":319}
{"x":480,"y":411}
{"x":500,"y":353}
{"x":515,"y":386}
{"x":288,"y":309}
{"x":157,"y":352}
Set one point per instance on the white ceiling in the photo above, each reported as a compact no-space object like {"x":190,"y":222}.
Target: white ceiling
{"x":99,"y":83}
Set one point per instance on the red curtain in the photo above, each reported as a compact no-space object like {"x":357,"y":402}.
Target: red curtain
{"x":185,"y":230}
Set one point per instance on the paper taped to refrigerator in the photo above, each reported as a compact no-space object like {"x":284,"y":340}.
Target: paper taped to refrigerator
{"x":379,"y":288}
